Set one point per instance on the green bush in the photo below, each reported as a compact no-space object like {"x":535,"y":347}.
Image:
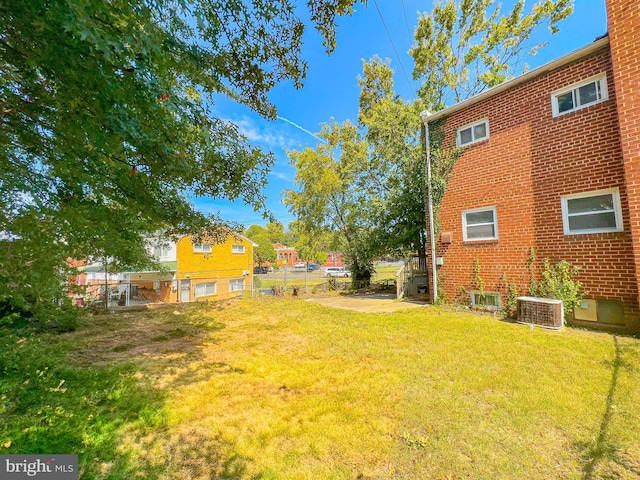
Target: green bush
{"x":33,"y":290}
{"x":558,"y":282}
{"x":510,"y":304}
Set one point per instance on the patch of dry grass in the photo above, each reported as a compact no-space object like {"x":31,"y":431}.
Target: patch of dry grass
{"x":284,"y":389}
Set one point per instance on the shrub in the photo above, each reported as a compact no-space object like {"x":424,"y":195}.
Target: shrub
{"x":510,"y":304}
{"x":558,"y":282}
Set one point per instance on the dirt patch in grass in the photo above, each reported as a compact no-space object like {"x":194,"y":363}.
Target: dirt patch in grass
{"x":369,"y":302}
{"x":122,"y":337}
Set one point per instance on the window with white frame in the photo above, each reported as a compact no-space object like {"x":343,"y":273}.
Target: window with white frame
{"x":579,"y":95}
{"x":592,"y":212}
{"x":237,"y":249}
{"x":490,"y":300}
{"x":201,"y":248}
{"x":472,"y":133}
{"x":161,"y":251}
{"x":480,"y":224}
{"x":204,"y":289}
{"x":236,"y":285}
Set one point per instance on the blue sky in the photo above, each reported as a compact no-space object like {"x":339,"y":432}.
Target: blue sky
{"x":331,"y":91}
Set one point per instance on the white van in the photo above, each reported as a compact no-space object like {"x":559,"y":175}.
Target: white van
{"x":337,"y":272}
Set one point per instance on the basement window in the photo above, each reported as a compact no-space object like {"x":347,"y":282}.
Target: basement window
{"x":480,"y":224}
{"x":472,"y":133}
{"x":592,"y":212}
{"x":236,"y":285}
{"x":204,"y":289}
{"x":579,"y":95}
{"x":490,"y":300}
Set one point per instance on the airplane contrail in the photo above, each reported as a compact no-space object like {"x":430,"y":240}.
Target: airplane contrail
{"x":300,"y":128}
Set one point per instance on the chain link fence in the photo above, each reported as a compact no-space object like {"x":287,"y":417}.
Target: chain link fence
{"x":297,"y":282}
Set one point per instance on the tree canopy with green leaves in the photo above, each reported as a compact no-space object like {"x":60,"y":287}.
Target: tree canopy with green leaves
{"x":107,"y":124}
{"x":461,"y":48}
{"x":273,"y":231}
{"x":264,"y":252}
{"x":311,"y":246}
{"x":464,"y":47}
{"x":396,"y":165}
{"x":333,"y":199}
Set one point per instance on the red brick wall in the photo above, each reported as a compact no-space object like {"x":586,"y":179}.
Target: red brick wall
{"x":624,"y":34}
{"x":530,"y":160}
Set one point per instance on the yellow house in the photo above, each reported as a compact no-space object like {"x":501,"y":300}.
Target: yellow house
{"x":206,"y":271}
{"x":189,"y":273}
{"x":195,"y":272}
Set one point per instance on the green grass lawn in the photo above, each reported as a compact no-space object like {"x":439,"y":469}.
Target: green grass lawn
{"x":386,"y":272}
{"x":285,"y":389}
{"x":279,"y":282}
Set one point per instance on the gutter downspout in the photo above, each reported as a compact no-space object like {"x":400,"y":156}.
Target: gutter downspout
{"x":434,"y":280}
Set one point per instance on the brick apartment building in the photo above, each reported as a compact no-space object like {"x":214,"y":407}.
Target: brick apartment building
{"x":551,"y":161}
{"x":285,"y":255}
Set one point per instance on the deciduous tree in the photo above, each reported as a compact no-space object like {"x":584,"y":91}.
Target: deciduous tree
{"x":264,"y":252}
{"x":463,"y":47}
{"x":107,"y":120}
{"x":332,"y":195}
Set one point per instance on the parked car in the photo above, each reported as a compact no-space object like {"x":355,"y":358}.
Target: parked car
{"x":299,"y":265}
{"x":259,"y":269}
{"x":312,"y":267}
{"x":337,"y":272}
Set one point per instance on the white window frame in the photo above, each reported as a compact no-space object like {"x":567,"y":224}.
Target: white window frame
{"x":601,"y":79}
{"x":206,"y":286}
{"x":237,"y":249}
{"x":617,"y":210}
{"x":201,"y":248}
{"x":165,"y":251}
{"x":234,"y":284}
{"x":476,"y":295}
{"x":494,"y":223}
{"x":473,"y":139}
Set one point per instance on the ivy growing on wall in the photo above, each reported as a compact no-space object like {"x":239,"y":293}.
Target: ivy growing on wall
{"x":443,"y":159}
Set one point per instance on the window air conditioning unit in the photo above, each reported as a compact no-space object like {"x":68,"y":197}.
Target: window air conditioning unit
{"x":543,"y":312}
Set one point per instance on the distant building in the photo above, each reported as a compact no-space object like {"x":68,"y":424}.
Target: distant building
{"x":334,"y":259}
{"x":285,"y":255}
{"x":190,"y":272}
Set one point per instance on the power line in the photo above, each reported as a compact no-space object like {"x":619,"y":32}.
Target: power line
{"x":406,"y":22}
{"x":394,"y":49}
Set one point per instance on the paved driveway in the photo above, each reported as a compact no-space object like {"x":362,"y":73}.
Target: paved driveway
{"x":368,"y":303}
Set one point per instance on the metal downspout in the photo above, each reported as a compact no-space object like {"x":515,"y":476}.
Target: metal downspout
{"x":434,"y":281}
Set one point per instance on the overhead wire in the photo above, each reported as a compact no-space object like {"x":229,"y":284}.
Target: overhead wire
{"x":394,"y":49}
{"x":406,"y":22}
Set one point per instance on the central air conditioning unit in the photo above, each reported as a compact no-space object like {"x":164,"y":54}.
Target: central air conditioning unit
{"x":542,"y":312}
